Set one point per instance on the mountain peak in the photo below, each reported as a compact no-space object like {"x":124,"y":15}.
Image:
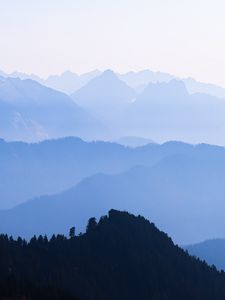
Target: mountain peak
{"x":108,"y":71}
{"x":165,"y":90}
{"x":173,"y":86}
{"x":107,"y":76}
{"x":104,"y":91}
{"x":68,"y":73}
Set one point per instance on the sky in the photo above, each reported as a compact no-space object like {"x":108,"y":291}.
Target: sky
{"x":182,"y":37}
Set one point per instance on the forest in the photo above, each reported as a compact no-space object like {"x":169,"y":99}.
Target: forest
{"x":121,"y":256}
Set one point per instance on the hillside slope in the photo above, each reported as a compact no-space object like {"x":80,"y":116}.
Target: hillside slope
{"x":121,"y":257}
{"x":30,"y":170}
{"x":31,"y":112}
{"x":183,"y":193}
{"x":212,"y":251}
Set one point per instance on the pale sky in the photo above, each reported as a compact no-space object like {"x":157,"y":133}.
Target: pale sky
{"x":182,"y":37}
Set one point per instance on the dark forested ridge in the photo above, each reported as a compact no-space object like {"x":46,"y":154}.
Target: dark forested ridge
{"x":120,"y":257}
{"x":13,"y":289}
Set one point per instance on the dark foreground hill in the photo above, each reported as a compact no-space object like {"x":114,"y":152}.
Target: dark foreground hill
{"x":120,"y":257}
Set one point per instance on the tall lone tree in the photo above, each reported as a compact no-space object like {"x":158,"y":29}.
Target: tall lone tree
{"x":72,"y":232}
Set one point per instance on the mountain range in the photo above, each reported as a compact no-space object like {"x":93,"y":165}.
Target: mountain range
{"x":163,"y":111}
{"x":69,"y":82}
{"x":32,"y":112}
{"x":107,"y":108}
{"x":167,"y":111}
{"x":180,"y":186}
{"x":29,"y":170}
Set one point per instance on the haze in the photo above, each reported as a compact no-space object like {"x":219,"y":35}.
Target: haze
{"x":179,"y":37}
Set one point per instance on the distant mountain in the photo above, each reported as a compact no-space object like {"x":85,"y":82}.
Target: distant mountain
{"x":66,"y":82}
{"x":167,"y":111}
{"x":29,"y":170}
{"x":133,"y":141}
{"x":139,"y":80}
{"x":32,"y":112}
{"x":171,"y":91}
{"x":69,"y":82}
{"x":119,"y":257}
{"x":22,"y":76}
{"x":104,"y":95}
{"x":183,"y":193}
{"x":194,"y":86}
{"x":143,"y":78}
{"x":212,"y":251}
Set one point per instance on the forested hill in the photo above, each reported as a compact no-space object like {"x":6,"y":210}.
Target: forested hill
{"x":120,"y":257}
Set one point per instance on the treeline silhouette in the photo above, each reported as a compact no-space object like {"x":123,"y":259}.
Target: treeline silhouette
{"x":119,"y":257}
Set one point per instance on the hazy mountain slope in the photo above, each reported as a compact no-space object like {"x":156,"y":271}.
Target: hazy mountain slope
{"x":106,"y":97}
{"x":32,"y":112}
{"x":120,"y":257}
{"x":212,"y":251}
{"x":133,"y":141}
{"x":144,"y":77}
{"x":28,"y":170}
{"x":194,"y":86}
{"x":69,"y":82}
{"x":167,"y":111}
{"x":22,"y":76}
{"x":184,"y":194}
{"x":104,"y":93}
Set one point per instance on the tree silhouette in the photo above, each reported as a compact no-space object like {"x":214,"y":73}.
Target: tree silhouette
{"x":91,"y":224}
{"x":120,"y":257}
{"x":72,"y":232}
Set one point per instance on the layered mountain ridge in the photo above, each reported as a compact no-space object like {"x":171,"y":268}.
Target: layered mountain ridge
{"x":179,"y":186}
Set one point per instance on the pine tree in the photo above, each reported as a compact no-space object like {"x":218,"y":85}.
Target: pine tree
{"x":72,"y":232}
{"x":92,"y":223}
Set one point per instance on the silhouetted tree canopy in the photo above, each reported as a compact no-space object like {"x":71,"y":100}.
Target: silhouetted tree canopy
{"x":72,"y":232}
{"x":120,"y":257}
{"x":92,"y":223}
